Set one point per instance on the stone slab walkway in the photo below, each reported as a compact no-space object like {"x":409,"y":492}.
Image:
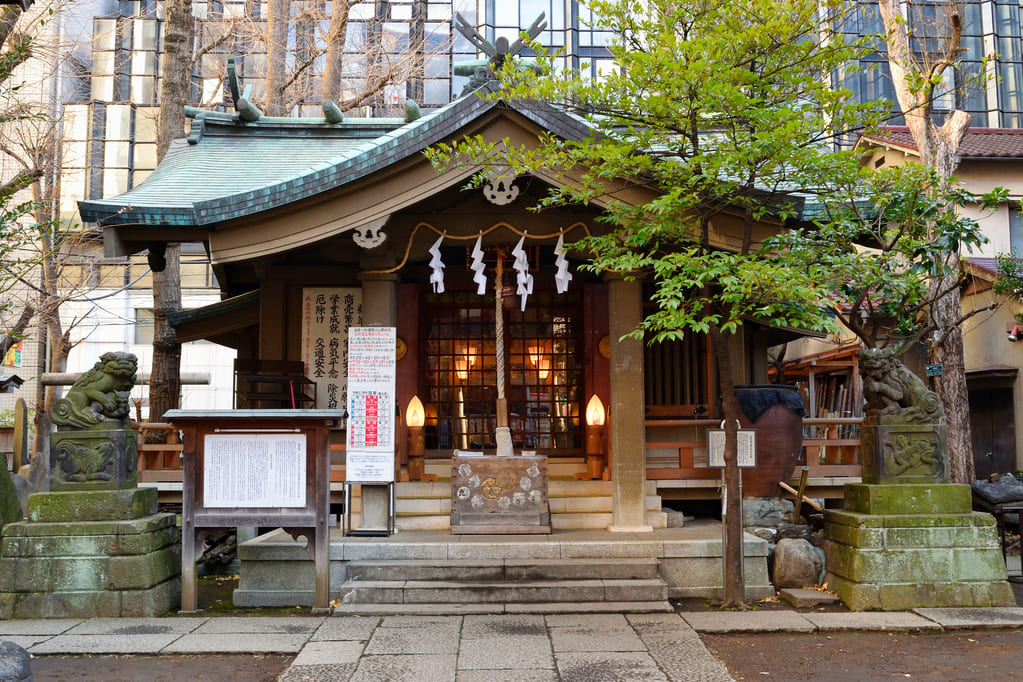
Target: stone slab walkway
{"x":474,"y":647}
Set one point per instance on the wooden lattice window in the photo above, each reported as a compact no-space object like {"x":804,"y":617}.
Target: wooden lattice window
{"x":543,"y":372}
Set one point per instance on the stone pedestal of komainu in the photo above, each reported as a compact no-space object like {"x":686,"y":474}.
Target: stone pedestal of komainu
{"x":907,"y":538}
{"x":94,"y":446}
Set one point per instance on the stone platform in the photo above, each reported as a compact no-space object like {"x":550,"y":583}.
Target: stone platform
{"x":902,"y":546}
{"x":276,"y":570}
{"x":90,"y":554}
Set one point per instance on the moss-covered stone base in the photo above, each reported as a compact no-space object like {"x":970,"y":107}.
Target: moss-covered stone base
{"x":86,"y":569}
{"x":898,"y":560}
{"x":94,"y":505}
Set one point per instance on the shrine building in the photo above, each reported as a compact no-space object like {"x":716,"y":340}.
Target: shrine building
{"x":315,"y":225}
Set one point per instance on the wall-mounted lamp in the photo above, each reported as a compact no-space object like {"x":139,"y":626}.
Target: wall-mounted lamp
{"x":415,"y":418}
{"x":464,"y":362}
{"x":595,"y":417}
{"x":541,"y":359}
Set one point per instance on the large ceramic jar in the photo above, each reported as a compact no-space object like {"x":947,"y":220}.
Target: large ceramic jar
{"x":776,"y":411}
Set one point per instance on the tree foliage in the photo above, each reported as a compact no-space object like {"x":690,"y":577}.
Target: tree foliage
{"x":873,"y":244}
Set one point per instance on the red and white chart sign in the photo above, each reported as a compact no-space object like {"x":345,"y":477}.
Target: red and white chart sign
{"x":371,"y":389}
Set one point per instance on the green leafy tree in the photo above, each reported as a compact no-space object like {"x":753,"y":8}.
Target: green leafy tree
{"x":717,"y":114}
{"x":872,"y":246}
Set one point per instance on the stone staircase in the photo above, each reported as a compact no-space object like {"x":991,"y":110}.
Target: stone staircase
{"x":502,"y":586}
{"x":574,"y":504}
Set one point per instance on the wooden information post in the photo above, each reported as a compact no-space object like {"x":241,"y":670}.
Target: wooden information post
{"x":255,"y":468}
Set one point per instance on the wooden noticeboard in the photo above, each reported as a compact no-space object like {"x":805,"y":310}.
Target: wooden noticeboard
{"x":255,"y":468}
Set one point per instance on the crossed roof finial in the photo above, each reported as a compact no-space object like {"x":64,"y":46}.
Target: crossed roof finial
{"x":499,"y":50}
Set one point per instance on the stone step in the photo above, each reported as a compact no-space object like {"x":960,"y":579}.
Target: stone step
{"x":564,"y":521}
{"x":417,"y":506}
{"x":555,"y":488}
{"x":527,"y":591}
{"x":497,"y":569}
{"x":459,"y":609}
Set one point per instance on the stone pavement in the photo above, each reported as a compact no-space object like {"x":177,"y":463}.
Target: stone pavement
{"x":657,"y":646}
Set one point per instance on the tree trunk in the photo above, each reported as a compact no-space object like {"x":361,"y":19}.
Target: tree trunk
{"x":175,"y":90}
{"x":734,"y":580}
{"x":939,"y":148}
{"x":177,"y":73}
{"x":277,"y":23}
{"x":165,"y":380}
{"x":335,"y":49}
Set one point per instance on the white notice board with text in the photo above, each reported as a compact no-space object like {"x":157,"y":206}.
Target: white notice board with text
{"x":254,"y":470}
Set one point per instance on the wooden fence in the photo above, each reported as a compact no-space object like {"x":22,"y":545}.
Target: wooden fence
{"x":677,"y":448}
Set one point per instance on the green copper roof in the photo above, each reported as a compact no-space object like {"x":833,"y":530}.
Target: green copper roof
{"x":236,"y":168}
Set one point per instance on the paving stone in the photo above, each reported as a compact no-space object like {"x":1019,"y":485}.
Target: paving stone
{"x":38,"y":626}
{"x":607,"y":621}
{"x":429,"y":639}
{"x":871,"y":620}
{"x":285,"y":626}
{"x":595,"y":639}
{"x":136,"y":626}
{"x":330,"y":653}
{"x":104,"y":644}
{"x":420,"y":668}
{"x":506,"y":625}
{"x":592,"y":632}
{"x":346,"y":628}
{"x":320,"y":673}
{"x":801,"y":597}
{"x":677,"y":649}
{"x":993,"y":617}
{"x":505,"y":652}
{"x":420,"y":621}
{"x":748,"y":621}
{"x":237,"y":643}
{"x":518,"y":675}
{"x":579,"y":666}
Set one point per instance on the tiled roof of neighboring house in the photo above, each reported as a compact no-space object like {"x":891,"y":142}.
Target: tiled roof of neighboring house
{"x":236,"y":169}
{"x":989,"y":265}
{"x":979,"y":143}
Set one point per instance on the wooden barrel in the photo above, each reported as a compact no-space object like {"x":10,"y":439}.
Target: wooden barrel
{"x":776,"y":411}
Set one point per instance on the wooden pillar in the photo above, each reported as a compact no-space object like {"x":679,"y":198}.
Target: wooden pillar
{"x":627,"y":409}
{"x":379,"y":309}
{"x":272,"y":320}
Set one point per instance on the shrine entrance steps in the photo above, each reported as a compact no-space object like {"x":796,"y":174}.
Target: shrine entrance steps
{"x":575,"y":505}
{"x":433,"y":571}
{"x":503,"y":585}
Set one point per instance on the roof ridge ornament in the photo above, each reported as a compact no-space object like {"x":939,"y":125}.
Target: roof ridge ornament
{"x":481,"y":73}
{"x":243,"y":106}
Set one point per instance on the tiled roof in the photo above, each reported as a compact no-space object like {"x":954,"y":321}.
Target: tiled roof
{"x":989,"y":265}
{"x":979,"y":143}
{"x":237,"y":169}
